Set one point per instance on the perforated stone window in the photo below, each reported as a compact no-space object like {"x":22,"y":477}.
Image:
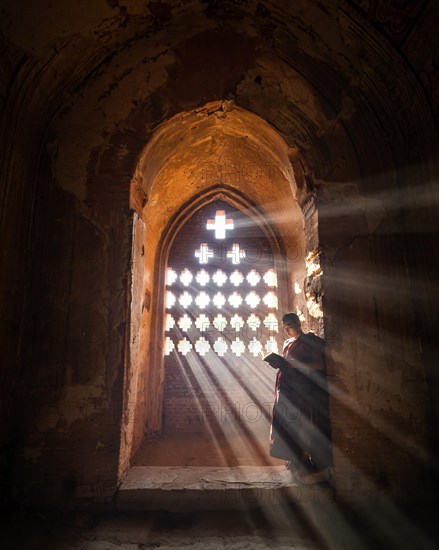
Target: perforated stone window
{"x":184,"y":346}
{"x":186,"y":277}
{"x":219,"y":277}
{"x":185,"y":299}
{"x":202,"y":322}
{"x":270,"y":300}
{"x":236,"y":278}
{"x":271,"y":322}
{"x":202,"y":300}
{"x":220,"y":323}
{"x":202,"y":277}
{"x":169,"y":345}
{"x":185,"y":322}
{"x":235,"y":300}
{"x":253,"y":277}
{"x":220,"y":346}
{"x":220,"y":300}
{"x":202,"y":346}
{"x":170,"y":300}
{"x":255,"y":347}
{"x":238,"y":347}
{"x":171,"y":276}
{"x":252,"y":299}
{"x":237,"y":322}
{"x":271,"y":346}
{"x":270,"y":278}
{"x":169,"y":322}
{"x":254,"y":322}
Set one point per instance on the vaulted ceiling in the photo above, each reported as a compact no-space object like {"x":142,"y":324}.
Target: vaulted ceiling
{"x":350,"y":86}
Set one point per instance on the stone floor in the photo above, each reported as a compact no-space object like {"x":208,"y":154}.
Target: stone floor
{"x":187,"y":465}
{"x":328,"y":526}
{"x":202,"y":450}
{"x":243,"y":506}
{"x":191,"y":488}
{"x":164,"y":531}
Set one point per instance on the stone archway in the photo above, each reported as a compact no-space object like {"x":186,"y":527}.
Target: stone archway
{"x":206,"y":392}
{"x":220,"y":151}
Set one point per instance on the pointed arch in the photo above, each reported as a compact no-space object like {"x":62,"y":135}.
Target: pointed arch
{"x":248,"y":208}
{"x":252,"y":173}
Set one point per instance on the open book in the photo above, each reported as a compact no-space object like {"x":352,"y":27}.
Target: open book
{"x":274,"y":360}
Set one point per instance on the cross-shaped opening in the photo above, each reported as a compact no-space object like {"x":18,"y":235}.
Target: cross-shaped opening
{"x":220,"y":224}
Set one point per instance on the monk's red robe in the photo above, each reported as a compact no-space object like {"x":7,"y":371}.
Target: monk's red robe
{"x":300,"y":421}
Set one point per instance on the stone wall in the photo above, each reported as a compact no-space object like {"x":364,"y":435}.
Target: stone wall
{"x":83,"y":91}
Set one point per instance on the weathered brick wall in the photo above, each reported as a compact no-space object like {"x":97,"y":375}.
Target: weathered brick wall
{"x":219,"y":401}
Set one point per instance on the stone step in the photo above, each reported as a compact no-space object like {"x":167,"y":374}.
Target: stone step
{"x":190,"y":488}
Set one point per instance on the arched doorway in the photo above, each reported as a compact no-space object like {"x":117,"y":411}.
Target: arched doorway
{"x":222,"y":316}
{"x":183,"y":169}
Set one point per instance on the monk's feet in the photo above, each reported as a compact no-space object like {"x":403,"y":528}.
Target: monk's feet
{"x":297,"y":470}
{"x":316,"y":477}
{"x":305,"y":474}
